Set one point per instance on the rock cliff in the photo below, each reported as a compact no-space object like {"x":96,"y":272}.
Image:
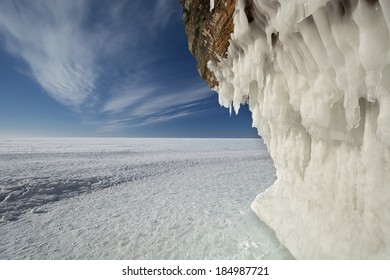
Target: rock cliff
{"x":208,"y":31}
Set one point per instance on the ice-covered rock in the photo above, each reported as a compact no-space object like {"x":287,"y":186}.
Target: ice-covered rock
{"x":316,"y":76}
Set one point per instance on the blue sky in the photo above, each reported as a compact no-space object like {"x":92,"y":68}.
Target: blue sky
{"x":104,"y":68}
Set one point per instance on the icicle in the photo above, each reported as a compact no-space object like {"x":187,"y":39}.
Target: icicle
{"x":211,"y":5}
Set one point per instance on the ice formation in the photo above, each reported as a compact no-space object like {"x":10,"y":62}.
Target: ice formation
{"x":316,"y":76}
{"x":211,"y":5}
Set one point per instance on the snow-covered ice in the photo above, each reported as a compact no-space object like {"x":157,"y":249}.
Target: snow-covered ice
{"x":316,"y":77}
{"x":88,"y":198}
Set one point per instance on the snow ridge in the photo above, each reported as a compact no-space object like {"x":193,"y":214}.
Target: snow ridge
{"x":316,"y":77}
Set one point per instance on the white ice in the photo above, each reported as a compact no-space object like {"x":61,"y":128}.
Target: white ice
{"x":90,"y":198}
{"x":316,"y":77}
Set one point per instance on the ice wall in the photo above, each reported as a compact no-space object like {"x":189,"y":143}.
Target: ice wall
{"x":316,"y":76}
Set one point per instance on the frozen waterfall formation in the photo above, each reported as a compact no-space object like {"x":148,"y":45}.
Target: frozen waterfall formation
{"x":316,"y":76}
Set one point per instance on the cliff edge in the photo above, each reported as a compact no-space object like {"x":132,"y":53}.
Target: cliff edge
{"x":208,"y":31}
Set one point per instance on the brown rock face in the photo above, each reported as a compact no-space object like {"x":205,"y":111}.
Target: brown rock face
{"x":208,"y":32}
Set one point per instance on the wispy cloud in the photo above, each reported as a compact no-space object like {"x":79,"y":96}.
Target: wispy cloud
{"x":162,"y":12}
{"x":165,"y":118}
{"x":147,"y":106}
{"x":98,"y":57}
{"x":114,"y":125}
{"x":117,"y":125}
{"x":126,"y":96}
{"x":171,"y":99}
{"x":48,"y":37}
{"x":63,"y":52}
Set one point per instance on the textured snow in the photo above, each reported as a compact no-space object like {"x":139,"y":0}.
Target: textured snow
{"x":316,"y":77}
{"x":90,"y":198}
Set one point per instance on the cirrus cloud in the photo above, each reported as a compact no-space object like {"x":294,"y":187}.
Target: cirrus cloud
{"x":57,"y":50}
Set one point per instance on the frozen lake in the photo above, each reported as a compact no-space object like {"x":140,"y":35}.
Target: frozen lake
{"x":89,"y":198}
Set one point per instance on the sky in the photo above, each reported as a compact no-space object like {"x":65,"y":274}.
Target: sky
{"x":105,"y":68}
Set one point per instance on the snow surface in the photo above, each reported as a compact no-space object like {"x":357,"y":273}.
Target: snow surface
{"x":65,"y":198}
{"x":316,"y":77}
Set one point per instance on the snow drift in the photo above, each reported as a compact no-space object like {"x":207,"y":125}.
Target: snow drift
{"x":316,"y":76}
